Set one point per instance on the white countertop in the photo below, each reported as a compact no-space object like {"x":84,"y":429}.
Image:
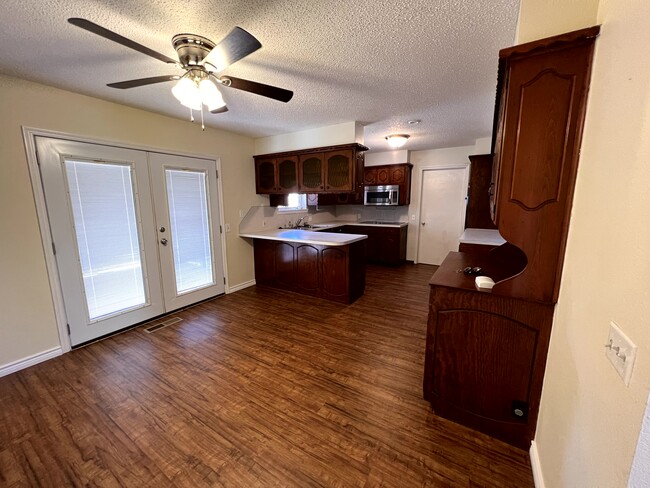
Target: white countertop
{"x":486,"y":237}
{"x":306,"y":236}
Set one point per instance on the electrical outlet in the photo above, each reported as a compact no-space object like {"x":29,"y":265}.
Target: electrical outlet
{"x":241,"y":214}
{"x":227,"y":226}
{"x":621,"y":352}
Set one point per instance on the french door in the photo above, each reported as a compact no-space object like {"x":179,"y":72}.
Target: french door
{"x":136,"y":233}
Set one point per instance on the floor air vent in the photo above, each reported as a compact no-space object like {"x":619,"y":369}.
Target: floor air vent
{"x":160,"y":325}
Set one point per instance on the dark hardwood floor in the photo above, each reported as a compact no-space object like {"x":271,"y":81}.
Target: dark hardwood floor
{"x":258,"y":388}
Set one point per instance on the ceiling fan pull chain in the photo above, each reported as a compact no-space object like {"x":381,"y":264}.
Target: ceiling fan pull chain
{"x":191,"y":115}
{"x":202,"y":124}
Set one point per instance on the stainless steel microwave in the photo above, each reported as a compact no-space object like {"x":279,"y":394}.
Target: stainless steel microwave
{"x":381,"y":195}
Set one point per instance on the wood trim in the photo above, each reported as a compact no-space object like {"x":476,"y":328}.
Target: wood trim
{"x":551,"y":42}
{"x":299,"y":152}
{"x":240,"y":286}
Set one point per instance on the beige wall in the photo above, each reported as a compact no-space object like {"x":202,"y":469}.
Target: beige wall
{"x":27,"y":323}
{"x":545,"y":18}
{"x":589,"y":420}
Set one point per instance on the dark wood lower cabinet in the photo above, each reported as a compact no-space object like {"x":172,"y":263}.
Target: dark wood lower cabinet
{"x":335,"y":273}
{"x":485,"y":355}
{"x":386,"y":245}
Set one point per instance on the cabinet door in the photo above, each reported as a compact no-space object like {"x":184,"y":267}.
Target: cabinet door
{"x":334,"y":269}
{"x":287,"y":169}
{"x":285,"y":270}
{"x":383,"y":176}
{"x":307,"y":270}
{"x":311,"y":171}
{"x":483,"y":363}
{"x":370,"y":176}
{"x":339,"y":171}
{"x":265,"y":176}
{"x":397,"y":175}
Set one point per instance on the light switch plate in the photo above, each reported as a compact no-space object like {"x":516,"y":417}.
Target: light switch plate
{"x":621,"y":352}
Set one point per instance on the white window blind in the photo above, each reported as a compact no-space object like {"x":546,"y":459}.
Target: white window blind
{"x":106,"y":229}
{"x":191,"y":244}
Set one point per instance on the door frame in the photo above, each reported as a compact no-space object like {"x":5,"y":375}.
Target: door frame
{"x":464,"y":166}
{"x":29,"y":135}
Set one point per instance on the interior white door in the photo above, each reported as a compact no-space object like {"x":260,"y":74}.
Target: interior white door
{"x":442,"y":213}
{"x":100,"y":214}
{"x":188,"y":226}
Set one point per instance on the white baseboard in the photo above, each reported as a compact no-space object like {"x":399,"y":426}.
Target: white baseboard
{"x":30,"y":361}
{"x":538,"y":476}
{"x":241,"y":286}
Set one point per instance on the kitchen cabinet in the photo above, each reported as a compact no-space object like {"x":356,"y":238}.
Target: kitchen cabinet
{"x":276,"y":175}
{"x":477,"y":214}
{"x":385,"y":245}
{"x":336,"y":273}
{"x":485,"y":354}
{"x":486,"y":351}
{"x":391,"y":174}
{"x":542,"y":106}
{"x":331,"y":169}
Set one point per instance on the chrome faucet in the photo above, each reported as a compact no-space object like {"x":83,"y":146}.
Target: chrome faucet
{"x":299,"y":221}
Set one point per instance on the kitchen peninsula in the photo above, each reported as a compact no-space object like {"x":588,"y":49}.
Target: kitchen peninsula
{"x":322,"y":264}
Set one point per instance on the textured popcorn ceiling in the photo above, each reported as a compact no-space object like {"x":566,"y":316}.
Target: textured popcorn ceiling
{"x":377,"y":62}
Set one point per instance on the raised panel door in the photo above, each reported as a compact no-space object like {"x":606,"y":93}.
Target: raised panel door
{"x":311,"y":170}
{"x":307,"y":269}
{"x":339,"y":171}
{"x":334,"y":272}
{"x":287,"y":174}
{"x":285,"y":270}
{"x":483,"y":363}
{"x":265,"y":176}
{"x":370,"y":176}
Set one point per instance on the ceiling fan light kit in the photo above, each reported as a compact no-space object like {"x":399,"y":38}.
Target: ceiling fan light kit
{"x":201,"y":59}
{"x":397,"y":140}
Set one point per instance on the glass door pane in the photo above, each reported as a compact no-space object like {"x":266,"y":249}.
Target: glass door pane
{"x":186,"y":198}
{"x":106,"y":229}
{"x":190,"y":229}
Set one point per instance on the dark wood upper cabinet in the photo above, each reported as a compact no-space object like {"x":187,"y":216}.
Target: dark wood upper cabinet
{"x":339,"y":171}
{"x":391,"y":174}
{"x":477,"y":215}
{"x":332,"y":169}
{"x":541,"y":112}
{"x":287,"y":174}
{"x":276,"y":175}
{"x":312,"y":173}
{"x":266,"y":180}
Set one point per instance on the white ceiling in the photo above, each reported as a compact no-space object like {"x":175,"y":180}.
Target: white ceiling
{"x":381,"y":63}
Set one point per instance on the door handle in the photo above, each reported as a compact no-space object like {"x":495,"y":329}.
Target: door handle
{"x":163,"y":241}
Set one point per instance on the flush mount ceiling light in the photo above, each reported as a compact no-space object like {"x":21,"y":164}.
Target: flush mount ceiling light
{"x":397,"y":140}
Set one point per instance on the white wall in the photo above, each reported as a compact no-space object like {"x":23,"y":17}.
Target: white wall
{"x":387,"y":157}
{"x":434,"y":158}
{"x":27,"y":322}
{"x":589,"y":420}
{"x":332,"y":135}
{"x":544,"y":18}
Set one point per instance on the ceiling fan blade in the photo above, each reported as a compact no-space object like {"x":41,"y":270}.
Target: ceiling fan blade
{"x":143,"y":81}
{"x":112,"y":36}
{"x":235,"y":46}
{"x":268,"y":91}
{"x":219,"y":110}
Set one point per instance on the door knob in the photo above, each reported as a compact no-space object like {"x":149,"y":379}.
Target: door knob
{"x":163,"y":241}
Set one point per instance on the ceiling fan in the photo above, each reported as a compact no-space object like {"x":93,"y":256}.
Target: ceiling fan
{"x":201,"y":59}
